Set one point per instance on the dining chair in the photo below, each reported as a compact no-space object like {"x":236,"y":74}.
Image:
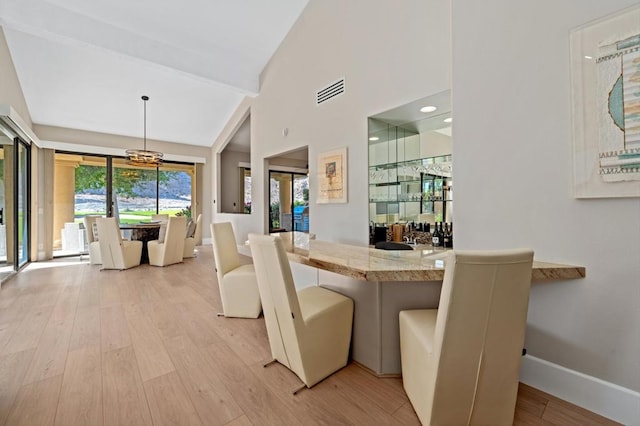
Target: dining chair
{"x":309,"y":330}
{"x":237,"y":282}
{"x":169,"y":251}
{"x":92,"y":237}
{"x":114,"y":252}
{"x":191,"y":239}
{"x":461,"y":362}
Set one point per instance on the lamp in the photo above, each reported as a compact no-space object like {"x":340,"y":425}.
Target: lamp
{"x":144,"y":158}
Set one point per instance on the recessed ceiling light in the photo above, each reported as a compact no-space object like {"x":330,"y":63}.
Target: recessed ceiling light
{"x":374,"y":138}
{"x":429,"y":108}
{"x":448,"y":120}
{"x":588,"y":57}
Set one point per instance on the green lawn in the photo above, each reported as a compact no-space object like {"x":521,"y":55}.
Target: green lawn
{"x":130,"y":216}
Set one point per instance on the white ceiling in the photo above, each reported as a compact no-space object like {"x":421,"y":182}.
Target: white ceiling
{"x":85,"y":64}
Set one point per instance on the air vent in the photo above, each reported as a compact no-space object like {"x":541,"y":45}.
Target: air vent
{"x":331,"y":91}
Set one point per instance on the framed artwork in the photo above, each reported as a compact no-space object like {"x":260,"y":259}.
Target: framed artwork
{"x":605,"y":71}
{"x":332,"y":177}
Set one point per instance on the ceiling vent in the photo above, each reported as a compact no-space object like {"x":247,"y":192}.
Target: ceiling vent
{"x":330,"y":91}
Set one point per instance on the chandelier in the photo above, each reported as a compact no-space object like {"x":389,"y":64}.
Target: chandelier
{"x":142,"y":157}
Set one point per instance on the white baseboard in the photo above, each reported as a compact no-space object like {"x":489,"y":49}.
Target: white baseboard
{"x":207,"y":241}
{"x":604,"y":398}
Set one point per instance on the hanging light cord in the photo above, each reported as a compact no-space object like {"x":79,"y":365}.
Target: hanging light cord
{"x":145,"y":99}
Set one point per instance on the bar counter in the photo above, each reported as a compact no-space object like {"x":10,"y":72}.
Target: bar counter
{"x":423,"y":263}
{"x":381,"y":284}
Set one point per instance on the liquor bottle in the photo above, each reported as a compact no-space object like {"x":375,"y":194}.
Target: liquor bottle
{"x":446,"y":237}
{"x":435,"y":237}
{"x":451,"y":235}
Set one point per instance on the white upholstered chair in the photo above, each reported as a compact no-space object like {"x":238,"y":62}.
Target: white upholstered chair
{"x":190,"y":241}
{"x":237,"y":282}
{"x":309,"y":330}
{"x":114,"y":252}
{"x":170,"y":250}
{"x":94,"y":244}
{"x":461,"y":362}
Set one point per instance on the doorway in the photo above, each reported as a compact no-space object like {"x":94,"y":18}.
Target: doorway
{"x":288,"y":202}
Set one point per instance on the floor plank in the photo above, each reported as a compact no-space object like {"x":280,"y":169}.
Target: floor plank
{"x":560,"y":413}
{"x":86,"y":328}
{"x":12,"y":370}
{"x":114,"y":331}
{"x":7,"y":330}
{"x":28,"y":333}
{"x":210,"y":397}
{"x":51,"y":353}
{"x":66,"y":304}
{"x":240,"y":421}
{"x":199,"y":330}
{"x":89,"y":294}
{"x":255,"y":399}
{"x":124,"y":399}
{"x":385,"y":392}
{"x":340,"y":397}
{"x":169,"y":401}
{"x":109,"y":291}
{"x":525,"y":418}
{"x":531,"y":401}
{"x":80,"y":400}
{"x":406,"y":415}
{"x":304,"y":405}
{"x":153,"y":359}
{"x":161,"y":317}
{"x":36,"y":403}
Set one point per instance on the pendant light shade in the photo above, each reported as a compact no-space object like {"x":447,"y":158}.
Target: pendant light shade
{"x":142,"y":157}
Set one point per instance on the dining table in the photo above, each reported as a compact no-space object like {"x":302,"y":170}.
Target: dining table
{"x":143,"y":231}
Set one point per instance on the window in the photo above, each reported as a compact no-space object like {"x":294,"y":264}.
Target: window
{"x":107,"y":186}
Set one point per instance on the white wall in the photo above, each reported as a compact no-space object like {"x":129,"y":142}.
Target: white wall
{"x":512,"y":151}
{"x":389,"y":54}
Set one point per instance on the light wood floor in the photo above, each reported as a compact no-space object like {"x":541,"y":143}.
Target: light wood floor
{"x":144,"y":346}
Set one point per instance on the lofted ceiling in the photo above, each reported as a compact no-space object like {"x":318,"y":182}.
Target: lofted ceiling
{"x":86,"y":64}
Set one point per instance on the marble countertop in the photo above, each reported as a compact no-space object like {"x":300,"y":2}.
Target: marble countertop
{"x":424,"y":263}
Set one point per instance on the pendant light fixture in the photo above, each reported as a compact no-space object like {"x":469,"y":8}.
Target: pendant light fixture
{"x":144,"y":158}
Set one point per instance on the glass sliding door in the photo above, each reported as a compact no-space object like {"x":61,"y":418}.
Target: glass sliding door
{"x":288,"y":202}
{"x":175,"y":189}
{"x":80,"y":189}
{"x":86,"y":184}
{"x":134,"y":192}
{"x":300,"y":195}
{"x":139,"y":193}
{"x":23,"y":202}
{"x":6,"y":197}
{"x":15,"y":196}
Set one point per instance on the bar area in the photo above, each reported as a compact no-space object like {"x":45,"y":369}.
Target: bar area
{"x":410,"y":175}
